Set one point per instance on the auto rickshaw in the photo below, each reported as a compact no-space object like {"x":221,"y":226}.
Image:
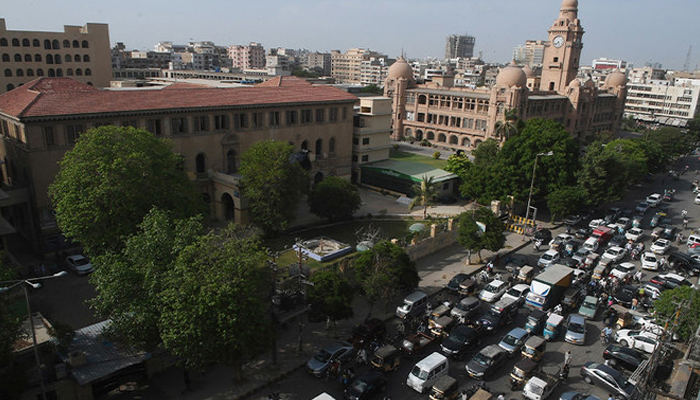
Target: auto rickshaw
{"x":553,"y":327}
{"x":591,"y":261}
{"x":534,"y":348}
{"x":440,"y":326}
{"x":439,"y":311}
{"x":602,"y":269}
{"x":535,"y":321}
{"x":522,"y":371}
{"x":481,"y":394}
{"x":625,"y":318}
{"x":386,"y":358}
{"x":525,"y":274}
{"x":468,"y":287}
{"x":445,"y":388}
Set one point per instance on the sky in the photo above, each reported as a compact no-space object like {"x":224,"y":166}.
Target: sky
{"x":637,"y":31}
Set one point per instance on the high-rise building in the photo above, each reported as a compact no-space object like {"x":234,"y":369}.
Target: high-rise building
{"x":319,"y":62}
{"x":347,"y":67}
{"x":247,"y":57}
{"x":531,"y":53}
{"x":79,"y":52}
{"x":459,"y":46}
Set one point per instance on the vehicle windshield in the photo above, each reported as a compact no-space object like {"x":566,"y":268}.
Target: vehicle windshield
{"x":650,"y":258}
{"x":322,"y":356}
{"x":458,"y":337}
{"x":491,"y":288}
{"x":588,"y":304}
{"x":419,"y":373}
{"x":530,"y":350}
{"x":482,"y":359}
{"x":514,"y":292}
{"x":547,"y":257}
{"x":359,"y":385}
{"x":576,"y":328}
{"x":456,"y":280}
{"x":535,"y":388}
{"x":510,"y":339}
{"x":518,"y":372}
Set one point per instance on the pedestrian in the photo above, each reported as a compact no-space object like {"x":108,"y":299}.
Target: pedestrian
{"x":634,"y":304}
{"x":610,"y":396}
{"x":567,"y":358}
{"x":501,"y":397}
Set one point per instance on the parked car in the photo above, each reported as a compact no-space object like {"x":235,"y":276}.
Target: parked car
{"x":468,"y":308}
{"x":611,"y":380}
{"x":318,"y":364}
{"x":366,"y":385}
{"x":591,"y":244}
{"x":623,"y":223}
{"x":596,"y":223}
{"x":461,"y":340}
{"x":589,"y":307}
{"x":453,"y":284}
{"x":622,"y":356}
{"x":654,"y":290}
{"x":514,"y":263}
{"x":612,"y":214}
{"x":654,"y":199}
{"x":582,"y":233}
{"x":641,"y":340}
{"x":684,"y":262}
{"x":513,"y":341}
{"x":660,"y":246}
{"x":486,"y":362}
{"x":625,"y":294}
{"x":650,"y":261}
{"x":79,"y":264}
{"x":670,"y":280}
{"x":545,"y":235}
{"x":493,"y":291}
{"x":575,"y":329}
{"x":517,"y":293}
{"x":548,"y":258}
{"x":559,"y":241}
{"x":572,"y":220}
{"x":580,"y":255}
{"x":618,"y":240}
{"x":615,"y":253}
{"x":635,"y":234}
{"x":624,"y":270}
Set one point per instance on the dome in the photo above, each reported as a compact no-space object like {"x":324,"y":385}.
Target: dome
{"x":616,"y":79}
{"x":511,"y":75}
{"x":529,"y":73}
{"x":400,"y":69}
{"x":575,"y":83}
{"x":569,"y":5}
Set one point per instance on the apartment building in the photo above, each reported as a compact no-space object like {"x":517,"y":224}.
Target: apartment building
{"x":251,"y":56}
{"x":459,"y":46}
{"x":531,"y":53}
{"x":668,"y":103}
{"x":347,"y":67}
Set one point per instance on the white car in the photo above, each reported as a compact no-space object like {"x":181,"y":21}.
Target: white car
{"x":517,"y":293}
{"x":560,"y":240}
{"x":650,"y":261}
{"x":624,"y":223}
{"x":548,"y":258}
{"x":623,"y":270}
{"x":635,"y":234}
{"x":641,"y":340}
{"x":615,"y":253}
{"x":697,"y":199}
{"x":660,"y":246}
{"x":654,"y":199}
{"x":493,"y":291}
{"x":591,"y":244}
{"x":596,"y":223}
{"x":79,"y":264}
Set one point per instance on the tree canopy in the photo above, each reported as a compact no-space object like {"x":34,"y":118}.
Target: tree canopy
{"x":334,"y":199}
{"x":424,"y":194}
{"x":331,"y":293}
{"x":272,"y":182}
{"x":666,"y":308}
{"x":111,"y":179}
{"x":474,"y":238}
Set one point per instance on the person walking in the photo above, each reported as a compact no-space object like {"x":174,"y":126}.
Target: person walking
{"x":567,"y":358}
{"x":634,"y":304}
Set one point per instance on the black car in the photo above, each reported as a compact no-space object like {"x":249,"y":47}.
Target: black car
{"x":514,"y":263}
{"x":624,"y":357}
{"x":607,"y":378}
{"x":365,"y":385}
{"x":490,"y":321}
{"x":683,"y":262}
{"x":453,"y":284}
{"x":368,"y":331}
{"x":670,"y":281}
{"x":486,"y":362}
{"x":582,"y":233}
{"x":669,"y":232}
{"x":545,"y":235}
{"x":461,"y":339}
{"x":618,"y":240}
{"x":625,"y":294}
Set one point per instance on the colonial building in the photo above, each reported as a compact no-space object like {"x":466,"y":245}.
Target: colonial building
{"x":79,"y":52}
{"x":463,"y":117}
{"x":209,"y":127}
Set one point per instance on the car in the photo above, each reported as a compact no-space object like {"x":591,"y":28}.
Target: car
{"x":580,"y":278}
{"x":545,"y":235}
{"x":582,"y":233}
{"x":493,"y":291}
{"x":636,"y":339}
{"x":339,"y":351}
{"x":572,"y":220}
{"x":467,"y":308}
{"x":549,"y":257}
{"x":606,"y":377}
{"x":612,"y":214}
{"x":684,"y":262}
{"x":491,"y":321}
{"x":615,"y":253}
{"x":623,"y":271}
{"x":366,"y":385}
{"x":654,"y":199}
{"x":670,"y":280}
{"x":560,"y":240}
{"x":623,"y":223}
{"x":654,"y":290}
{"x":589,"y":308}
{"x":453,"y":284}
{"x":635,"y":234}
{"x":577,"y":396}
{"x":697,"y":199}
{"x":461,"y":340}
{"x":486,"y":362}
{"x":517,"y":293}
{"x":581,"y":254}
{"x":660,"y":246}
{"x":618,"y":240}
{"x":575,"y":329}
{"x":641,"y":207}
{"x":591,"y":244}
{"x":669,"y":231}
{"x":625,"y":294}
{"x":596,"y":223}
{"x":650,"y":261}
{"x":370,"y":330}
{"x":79,"y":264}
{"x":514,"y":263}
{"x":623,"y":356}
{"x":513,"y":341}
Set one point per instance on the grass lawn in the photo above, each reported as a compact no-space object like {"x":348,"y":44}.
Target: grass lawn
{"x":403,"y":156}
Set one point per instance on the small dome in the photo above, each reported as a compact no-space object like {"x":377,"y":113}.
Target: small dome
{"x":400,"y":69}
{"x":569,"y":5}
{"x":616,"y":79}
{"x":529,"y":73}
{"x":511,"y":75}
{"x":575,"y":83}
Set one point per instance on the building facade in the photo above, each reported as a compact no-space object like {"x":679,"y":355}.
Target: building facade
{"x":319,"y":62}
{"x":372,"y":139}
{"x":668,"y":103}
{"x":459,"y":46}
{"x":210,"y":127}
{"x":347,"y":67}
{"x":251,"y":56}
{"x":531,"y":53}
{"x":79,"y":52}
{"x":462,"y":117}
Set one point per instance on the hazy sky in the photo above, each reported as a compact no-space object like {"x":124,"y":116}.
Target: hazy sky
{"x":637,"y":31}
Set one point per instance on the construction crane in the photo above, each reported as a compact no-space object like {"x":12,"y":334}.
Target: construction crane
{"x":686,"y":66}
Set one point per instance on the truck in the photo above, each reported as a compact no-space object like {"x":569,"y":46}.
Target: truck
{"x":541,"y":385}
{"x":547,"y":288}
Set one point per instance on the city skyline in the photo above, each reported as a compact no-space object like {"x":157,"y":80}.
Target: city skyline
{"x":390,"y":27}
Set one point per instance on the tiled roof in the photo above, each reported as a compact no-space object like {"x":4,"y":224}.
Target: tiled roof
{"x":65,"y":96}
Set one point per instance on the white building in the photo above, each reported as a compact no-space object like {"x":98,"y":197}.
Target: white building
{"x":668,"y":103}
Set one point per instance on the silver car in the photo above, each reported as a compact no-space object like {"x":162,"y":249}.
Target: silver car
{"x":513,"y":342}
{"x":575,"y":329}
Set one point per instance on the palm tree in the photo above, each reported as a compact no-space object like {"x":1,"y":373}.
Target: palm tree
{"x":425,"y":192}
{"x":509,"y":126}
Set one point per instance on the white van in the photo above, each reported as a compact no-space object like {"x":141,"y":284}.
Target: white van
{"x":413,"y":304}
{"x":427,"y":371}
{"x":693,"y":240}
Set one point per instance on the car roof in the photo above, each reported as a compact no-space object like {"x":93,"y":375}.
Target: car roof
{"x":521,"y":287}
{"x":517,"y":332}
{"x":491,"y":350}
{"x":576,"y":318}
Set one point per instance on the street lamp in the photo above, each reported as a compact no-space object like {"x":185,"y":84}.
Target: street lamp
{"x":532,"y":183}
{"x":35,"y":285}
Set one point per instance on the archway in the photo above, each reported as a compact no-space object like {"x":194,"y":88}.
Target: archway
{"x":229,"y":209}
{"x":454,"y":139}
{"x":442,"y":137}
{"x":419,"y":135}
{"x":466,"y":142}
{"x":431,"y":135}
{"x":200,"y":164}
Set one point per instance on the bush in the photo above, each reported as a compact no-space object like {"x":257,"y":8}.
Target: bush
{"x":396,"y":146}
{"x":436,"y":155}
{"x":425,"y":143}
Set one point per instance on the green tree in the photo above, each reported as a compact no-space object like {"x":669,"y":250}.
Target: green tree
{"x":111,"y":179}
{"x":331,"y":293}
{"x":472,"y":237}
{"x":12,"y":379}
{"x":130,"y":284}
{"x":667,"y":310}
{"x":486,"y":152}
{"x":458,"y":164}
{"x":424,"y":194}
{"x":384,"y":271}
{"x":672,"y":141}
{"x":216,"y":300}
{"x":373,"y":89}
{"x":566,"y":200}
{"x":508,"y":127}
{"x":334,"y":199}
{"x":272,"y":182}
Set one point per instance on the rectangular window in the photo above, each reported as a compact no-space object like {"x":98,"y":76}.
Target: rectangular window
{"x":5,"y":129}
{"x":292,"y":117}
{"x":257,"y":119}
{"x":221,"y":121}
{"x":73,"y":132}
{"x":365,"y":140}
{"x":240,"y":121}
{"x":320,"y":114}
{"x":49,"y":137}
{"x":354,"y":158}
{"x":201,"y":123}
{"x":274,"y":118}
{"x":179,"y":125}
{"x":365,"y":158}
{"x":154,"y":126}
{"x":355,"y":140}
{"x":333,"y":114}
{"x":307,"y":116}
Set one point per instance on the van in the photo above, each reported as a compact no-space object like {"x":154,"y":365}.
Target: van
{"x":507,"y":307}
{"x":693,"y":240}
{"x":603,"y":234}
{"x":427,"y":371}
{"x":414,"y":304}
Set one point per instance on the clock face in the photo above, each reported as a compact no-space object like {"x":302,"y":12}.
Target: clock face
{"x":558,"y":41}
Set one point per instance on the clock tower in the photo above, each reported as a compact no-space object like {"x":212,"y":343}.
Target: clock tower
{"x":562,"y":52}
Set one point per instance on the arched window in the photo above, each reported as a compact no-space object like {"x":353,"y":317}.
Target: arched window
{"x":86,"y":58}
{"x":85,"y":44}
{"x":3,"y":42}
{"x":442,"y":137}
{"x":27,"y":58}
{"x":88,"y":72}
{"x":419,"y":135}
{"x":15,"y":42}
{"x":57,"y":59}
{"x":89,"y":83}
{"x":69,"y":58}
{"x":49,"y":59}
{"x":319,"y":147}
{"x":30,"y":72}
{"x":6,"y":57}
{"x":331,"y":145}
{"x":304,"y":144}
{"x":10,"y":87}
{"x":37,"y":57}
{"x":55,"y":45}
{"x":200,"y":164}
{"x":25,"y":42}
{"x":228,"y":206}
{"x":8,"y":72}
{"x":52,"y":73}
{"x":36,"y":43}
{"x":76,"y":44}
{"x":78,"y":72}
{"x":39,"y":72}
{"x":69,"y":72}
{"x":19,"y":72}
{"x":230,"y":161}
{"x":18,"y":58}
{"x":47,"y":44}
{"x":59,"y":72}
{"x":454,"y":139}
{"x":422,"y":99}
{"x":77,"y":58}
{"x":431,"y":135}
{"x":66,"y":43}
{"x":466,"y":142}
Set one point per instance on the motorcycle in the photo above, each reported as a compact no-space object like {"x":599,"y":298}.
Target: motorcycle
{"x":564,"y":373}
{"x":536,"y":244}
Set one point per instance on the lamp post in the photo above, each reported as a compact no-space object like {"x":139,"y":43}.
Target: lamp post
{"x":35,"y":285}
{"x":532,"y":183}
